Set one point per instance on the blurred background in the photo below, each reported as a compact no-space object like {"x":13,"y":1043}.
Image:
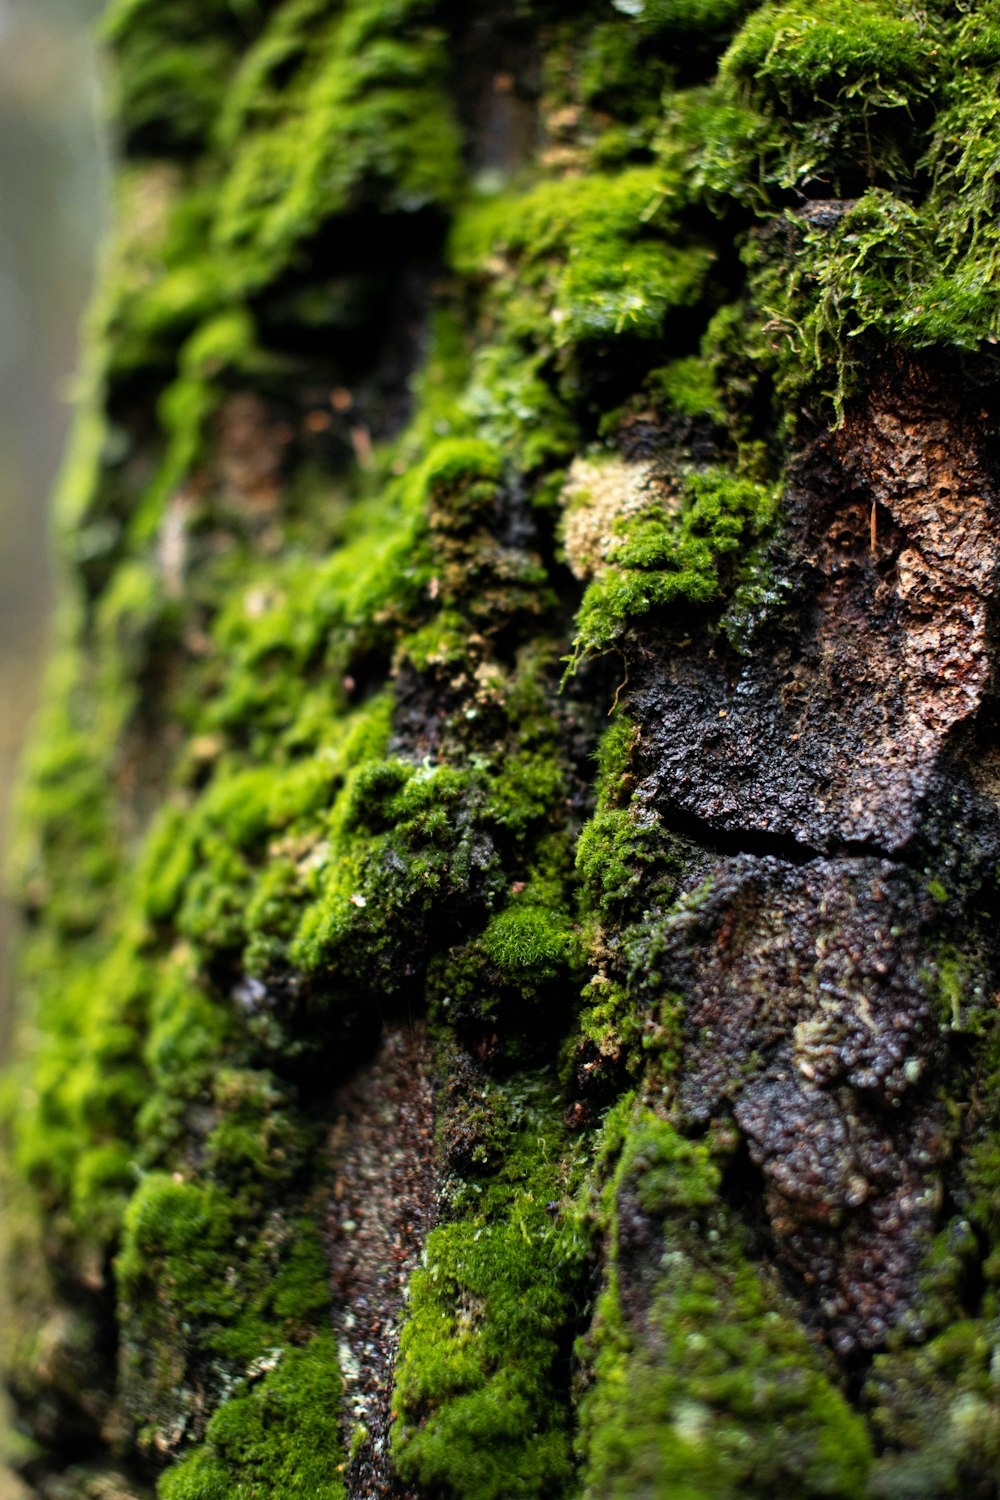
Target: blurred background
{"x":53,"y":195}
{"x":53,"y":205}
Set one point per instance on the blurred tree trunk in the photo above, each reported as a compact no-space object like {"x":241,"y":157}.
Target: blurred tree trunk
{"x":510,"y":856}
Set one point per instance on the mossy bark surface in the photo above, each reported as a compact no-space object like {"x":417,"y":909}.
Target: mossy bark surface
{"x":510,"y":855}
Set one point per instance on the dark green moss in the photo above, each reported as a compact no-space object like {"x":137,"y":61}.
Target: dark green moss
{"x":715,"y":1390}
{"x":171,"y":68}
{"x":624,"y":846}
{"x":363,"y":119}
{"x":940,"y":1399}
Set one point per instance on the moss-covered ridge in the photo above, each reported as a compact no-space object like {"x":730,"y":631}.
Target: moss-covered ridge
{"x":356,"y":397}
{"x":705,"y":1385}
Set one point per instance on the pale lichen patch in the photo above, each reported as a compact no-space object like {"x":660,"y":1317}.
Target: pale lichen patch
{"x":600,"y":494}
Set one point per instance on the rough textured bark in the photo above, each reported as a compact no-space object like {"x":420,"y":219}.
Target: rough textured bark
{"x":510,"y":860}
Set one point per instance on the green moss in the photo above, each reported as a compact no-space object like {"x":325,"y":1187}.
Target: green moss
{"x":588,"y":255}
{"x":373,"y":796}
{"x":617,"y":75}
{"x":275,"y":1436}
{"x":907,"y":263}
{"x":843,"y":80}
{"x":530,"y":942}
{"x":666,"y":560}
{"x":206,"y":1284}
{"x":689,"y":18}
{"x":808,"y":54}
{"x":404,"y":850}
{"x":171,"y":68}
{"x":460,"y":480}
{"x":717,"y":1390}
{"x":364,"y":121}
{"x":161,"y":279}
{"x":934,"y":1411}
{"x":687,"y":386}
{"x":627,"y":862}
{"x":619,"y":848}
{"x":566,"y":268}
{"x":956,"y":983}
{"x":509,"y":399}
{"x":477,"y":1363}
{"x":479,"y":1384}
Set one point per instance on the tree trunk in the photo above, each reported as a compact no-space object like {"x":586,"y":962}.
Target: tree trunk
{"x":510,"y":857}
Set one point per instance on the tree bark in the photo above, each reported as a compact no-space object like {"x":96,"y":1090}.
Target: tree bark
{"x":510,"y":857}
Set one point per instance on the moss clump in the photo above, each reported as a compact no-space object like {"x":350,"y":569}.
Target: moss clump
{"x":208,"y":1287}
{"x":530,"y":941}
{"x":477,"y":1382}
{"x":172,"y":67}
{"x":480,"y":1384}
{"x":508,"y":991}
{"x":713,"y":1389}
{"x":814,"y":55}
{"x":274,"y":1436}
{"x":623,"y":846}
{"x":897,"y":119}
{"x":363,"y":121}
{"x":940,"y":1400}
{"x":565,"y":269}
{"x":406,"y":849}
{"x":586,"y":258}
{"x":835,"y":86}
{"x":627,"y":863}
{"x":687,"y":386}
{"x":665,"y":560}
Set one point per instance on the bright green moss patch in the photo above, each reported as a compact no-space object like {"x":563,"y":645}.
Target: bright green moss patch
{"x":460,"y":479}
{"x":529,"y":940}
{"x":275,"y":1436}
{"x":480,"y":1415}
{"x":364,"y":121}
{"x":480,"y":1384}
{"x":404,"y":850}
{"x":666,"y":560}
{"x":811,"y":54}
{"x":876,"y":275}
{"x":619,"y":850}
{"x":162,"y":280}
{"x":585,"y":257}
{"x":565,"y":269}
{"x":836,"y":86}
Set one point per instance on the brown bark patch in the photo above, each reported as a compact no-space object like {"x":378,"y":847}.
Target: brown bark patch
{"x":830,"y":733}
{"x":381,"y":1211}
